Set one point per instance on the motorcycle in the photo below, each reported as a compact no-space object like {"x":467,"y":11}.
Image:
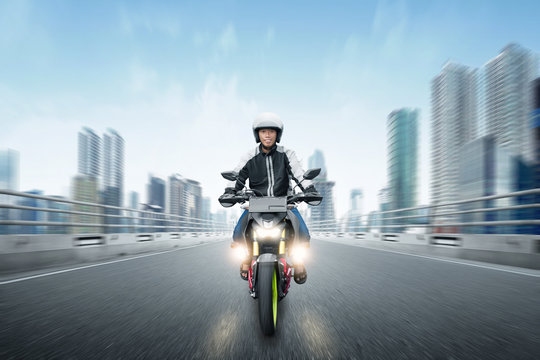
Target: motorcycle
{"x":272,"y":230}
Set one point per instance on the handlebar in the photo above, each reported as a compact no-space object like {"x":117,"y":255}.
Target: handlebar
{"x":291,"y":199}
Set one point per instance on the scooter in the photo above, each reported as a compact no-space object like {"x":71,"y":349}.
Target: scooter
{"x":272,"y":230}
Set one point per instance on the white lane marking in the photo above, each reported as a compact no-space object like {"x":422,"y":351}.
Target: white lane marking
{"x":463,"y":262}
{"x":94,"y":265}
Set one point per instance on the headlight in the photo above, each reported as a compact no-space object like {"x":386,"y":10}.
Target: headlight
{"x":268,"y":233}
{"x":240,"y":252}
{"x":299,"y":253}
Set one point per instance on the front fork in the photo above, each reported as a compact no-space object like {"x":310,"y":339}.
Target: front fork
{"x":283,"y":269}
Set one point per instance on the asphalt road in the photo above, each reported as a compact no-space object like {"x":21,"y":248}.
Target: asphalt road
{"x":357,"y":303}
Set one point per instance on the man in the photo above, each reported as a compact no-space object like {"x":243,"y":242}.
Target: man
{"x":270,"y":169}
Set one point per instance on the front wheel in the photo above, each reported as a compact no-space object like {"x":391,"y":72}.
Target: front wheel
{"x":268,"y":297}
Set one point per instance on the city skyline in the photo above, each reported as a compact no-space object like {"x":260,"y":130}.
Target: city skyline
{"x":184,"y":94}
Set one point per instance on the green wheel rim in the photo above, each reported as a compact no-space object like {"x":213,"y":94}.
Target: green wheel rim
{"x":274,"y":297}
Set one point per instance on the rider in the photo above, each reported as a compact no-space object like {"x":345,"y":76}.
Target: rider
{"x":270,"y":169}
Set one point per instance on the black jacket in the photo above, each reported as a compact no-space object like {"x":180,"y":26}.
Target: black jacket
{"x":270,"y":173}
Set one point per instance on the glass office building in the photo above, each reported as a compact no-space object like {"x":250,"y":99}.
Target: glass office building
{"x":402,"y":130}
{"x":485,"y":169}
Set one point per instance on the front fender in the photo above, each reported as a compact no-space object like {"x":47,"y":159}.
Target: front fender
{"x":267,"y":258}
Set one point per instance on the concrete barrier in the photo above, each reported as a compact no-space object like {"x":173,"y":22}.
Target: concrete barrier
{"x":31,"y":252}
{"x":513,"y":250}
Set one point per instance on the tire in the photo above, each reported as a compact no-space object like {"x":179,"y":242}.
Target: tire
{"x":267,"y":283}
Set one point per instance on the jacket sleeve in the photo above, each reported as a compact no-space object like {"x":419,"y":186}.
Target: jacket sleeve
{"x":295,"y":168}
{"x":241,"y":169}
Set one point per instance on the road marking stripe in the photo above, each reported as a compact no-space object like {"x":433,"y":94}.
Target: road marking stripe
{"x":443,"y":259}
{"x":94,"y":265}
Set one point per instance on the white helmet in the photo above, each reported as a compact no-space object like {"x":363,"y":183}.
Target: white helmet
{"x":267,"y":120}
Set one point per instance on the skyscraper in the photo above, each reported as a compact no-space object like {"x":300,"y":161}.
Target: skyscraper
{"x":89,"y":153}
{"x":357,"y":201}
{"x":194,"y":198}
{"x":156,"y":192}
{"x":402,"y":130}
{"x":484,"y":169}
{"x":178,"y":198}
{"x":509,"y":99}
{"x":354,"y":217}
{"x":205,"y":212}
{"x":113,"y":176}
{"x":185,"y":199}
{"x":9,"y":180}
{"x":113,"y":167}
{"x":57,"y":216}
{"x":33,"y":215}
{"x":535,"y":125}
{"x":324,"y":212}
{"x":85,"y":188}
{"x":383,"y":197}
{"x":453,"y":123}
{"x":133,"y":200}
{"x":9,"y":169}
{"x":317,"y":161}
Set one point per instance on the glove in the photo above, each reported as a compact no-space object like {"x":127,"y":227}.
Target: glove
{"x":229,"y":191}
{"x":225,"y":199}
{"x":311,"y":190}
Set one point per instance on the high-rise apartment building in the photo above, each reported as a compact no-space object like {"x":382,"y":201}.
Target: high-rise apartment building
{"x":177,"y":197}
{"x":194,"y":198}
{"x":84,"y":188}
{"x":113,"y":176}
{"x":89,"y":153}
{"x":113,"y":167}
{"x":402,"y":130}
{"x":453,"y":124}
{"x":509,"y":99}
{"x":9,"y":180}
{"x":185,"y":199}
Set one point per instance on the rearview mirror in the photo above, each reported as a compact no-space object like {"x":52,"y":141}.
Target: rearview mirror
{"x":230,"y":175}
{"x":312,"y":173}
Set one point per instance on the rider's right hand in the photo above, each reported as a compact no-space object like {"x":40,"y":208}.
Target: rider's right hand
{"x":230,"y":191}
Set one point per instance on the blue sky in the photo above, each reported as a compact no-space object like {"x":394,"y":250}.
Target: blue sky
{"x":181,"y":82}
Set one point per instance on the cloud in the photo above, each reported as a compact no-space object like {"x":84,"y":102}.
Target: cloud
{"x":165,"y":131}
{"x":142,"y":77}
{"x":389,"y":25}
{"x":149,"y":21}
{"x":227,"y":40}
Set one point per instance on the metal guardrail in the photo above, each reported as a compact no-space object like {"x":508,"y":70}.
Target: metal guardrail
{"x":104,"y":217}
{"x":134,"y":220}
{"x":515,"y":217}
